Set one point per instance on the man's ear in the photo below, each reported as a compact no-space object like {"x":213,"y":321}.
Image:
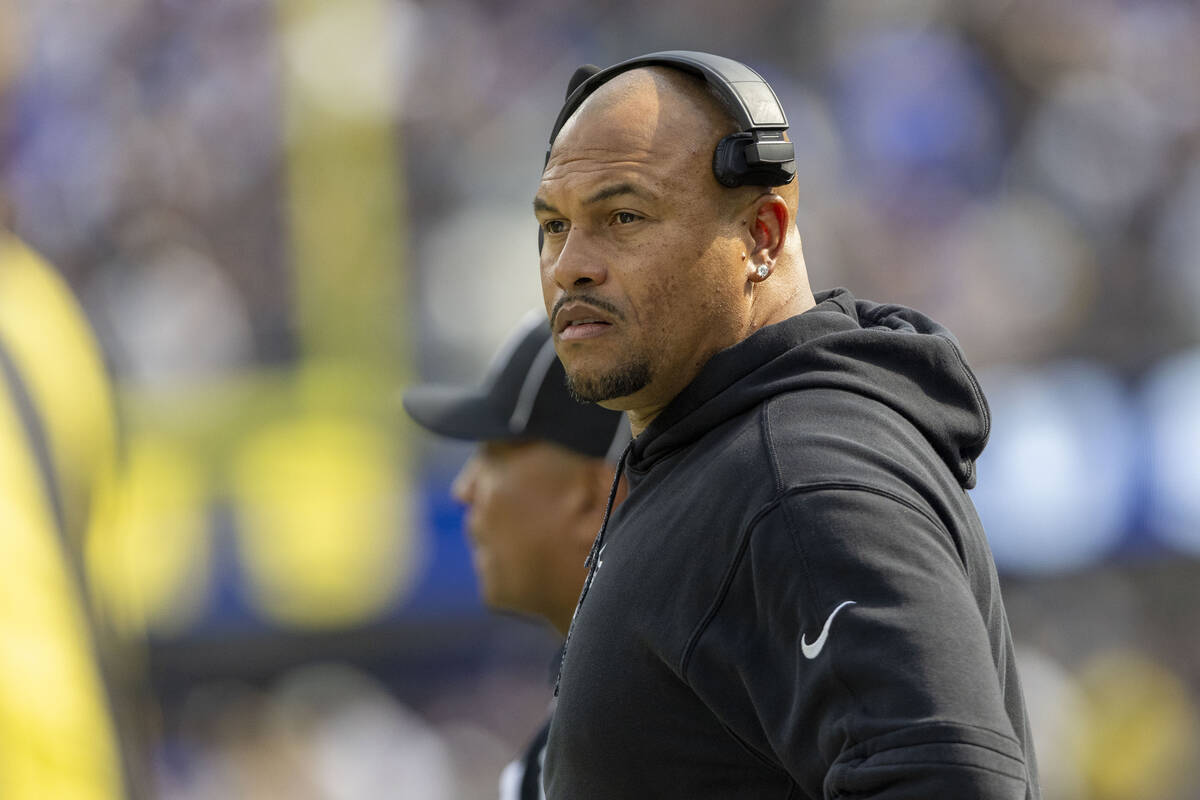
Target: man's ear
{"x":769,"y":223}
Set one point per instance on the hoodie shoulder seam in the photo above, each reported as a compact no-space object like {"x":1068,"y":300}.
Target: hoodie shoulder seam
{"x":769,"y":443}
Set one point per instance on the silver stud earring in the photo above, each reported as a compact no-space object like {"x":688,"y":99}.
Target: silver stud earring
{"x":763,"y":270}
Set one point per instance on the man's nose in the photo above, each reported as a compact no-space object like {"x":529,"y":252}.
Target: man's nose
{"x":577,"y":264}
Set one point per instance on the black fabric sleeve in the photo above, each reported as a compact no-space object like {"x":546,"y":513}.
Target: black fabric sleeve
{"x":903,"y":700}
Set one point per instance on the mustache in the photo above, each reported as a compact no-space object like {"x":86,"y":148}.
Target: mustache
{"x":595,"y":302}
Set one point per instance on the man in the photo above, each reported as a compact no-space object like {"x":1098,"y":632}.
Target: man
{"x":796,"y":599}
{"x":535,"y":490}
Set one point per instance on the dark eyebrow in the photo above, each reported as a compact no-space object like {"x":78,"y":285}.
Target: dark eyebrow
{"x":541,"y":205}
{"x":616,"y":190}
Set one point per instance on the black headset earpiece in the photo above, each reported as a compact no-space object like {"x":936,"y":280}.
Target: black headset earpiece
{"x":756,"y":155}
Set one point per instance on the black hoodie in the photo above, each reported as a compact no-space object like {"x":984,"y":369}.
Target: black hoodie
{"x":797,"y":599}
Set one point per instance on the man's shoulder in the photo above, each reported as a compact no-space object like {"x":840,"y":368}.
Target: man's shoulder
{"x":818,"y":409}
{"x":812,"y":434}
{"x":827,"y":435}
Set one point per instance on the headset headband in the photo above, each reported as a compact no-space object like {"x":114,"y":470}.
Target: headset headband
{"x":757,"y":155}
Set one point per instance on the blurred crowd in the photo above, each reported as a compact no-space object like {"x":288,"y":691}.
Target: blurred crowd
{"x":277,"y":213}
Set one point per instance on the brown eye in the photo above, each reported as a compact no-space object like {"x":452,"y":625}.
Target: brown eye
{"x":625,"y":217}
{"x":554,"y":226}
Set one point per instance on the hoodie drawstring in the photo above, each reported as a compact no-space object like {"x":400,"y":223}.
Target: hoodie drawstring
{"x":593,"y":559}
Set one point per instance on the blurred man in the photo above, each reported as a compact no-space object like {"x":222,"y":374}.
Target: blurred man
{"x":797,"y":598}
{"x":535,"y":489}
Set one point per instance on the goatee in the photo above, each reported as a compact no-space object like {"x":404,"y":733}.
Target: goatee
{"x":619,"y":383}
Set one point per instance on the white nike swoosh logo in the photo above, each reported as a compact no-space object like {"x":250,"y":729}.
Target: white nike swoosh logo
{"x":813,"y":650}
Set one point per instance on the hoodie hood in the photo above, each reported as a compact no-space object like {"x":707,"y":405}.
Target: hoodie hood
{"x":885,"y":353}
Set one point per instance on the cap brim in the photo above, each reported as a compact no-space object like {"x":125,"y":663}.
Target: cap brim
{"x":456,"y":412}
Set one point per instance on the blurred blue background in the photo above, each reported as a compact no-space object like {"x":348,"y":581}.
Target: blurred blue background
{"x":276,"y":215}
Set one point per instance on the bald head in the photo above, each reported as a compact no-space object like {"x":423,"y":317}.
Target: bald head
{"x":652,"y":95}
{"x":681,"y":109}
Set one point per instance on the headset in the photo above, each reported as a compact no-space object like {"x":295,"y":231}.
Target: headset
{"x":755,"y":155}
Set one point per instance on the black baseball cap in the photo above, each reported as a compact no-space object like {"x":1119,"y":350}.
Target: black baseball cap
{"x":523,"y":396}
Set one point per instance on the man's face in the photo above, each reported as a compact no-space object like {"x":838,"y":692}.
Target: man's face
{"x":642,"y":266}
{"x":517,"y":496}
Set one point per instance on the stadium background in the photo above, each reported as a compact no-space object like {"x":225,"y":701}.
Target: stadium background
{"x":277,"y":214}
